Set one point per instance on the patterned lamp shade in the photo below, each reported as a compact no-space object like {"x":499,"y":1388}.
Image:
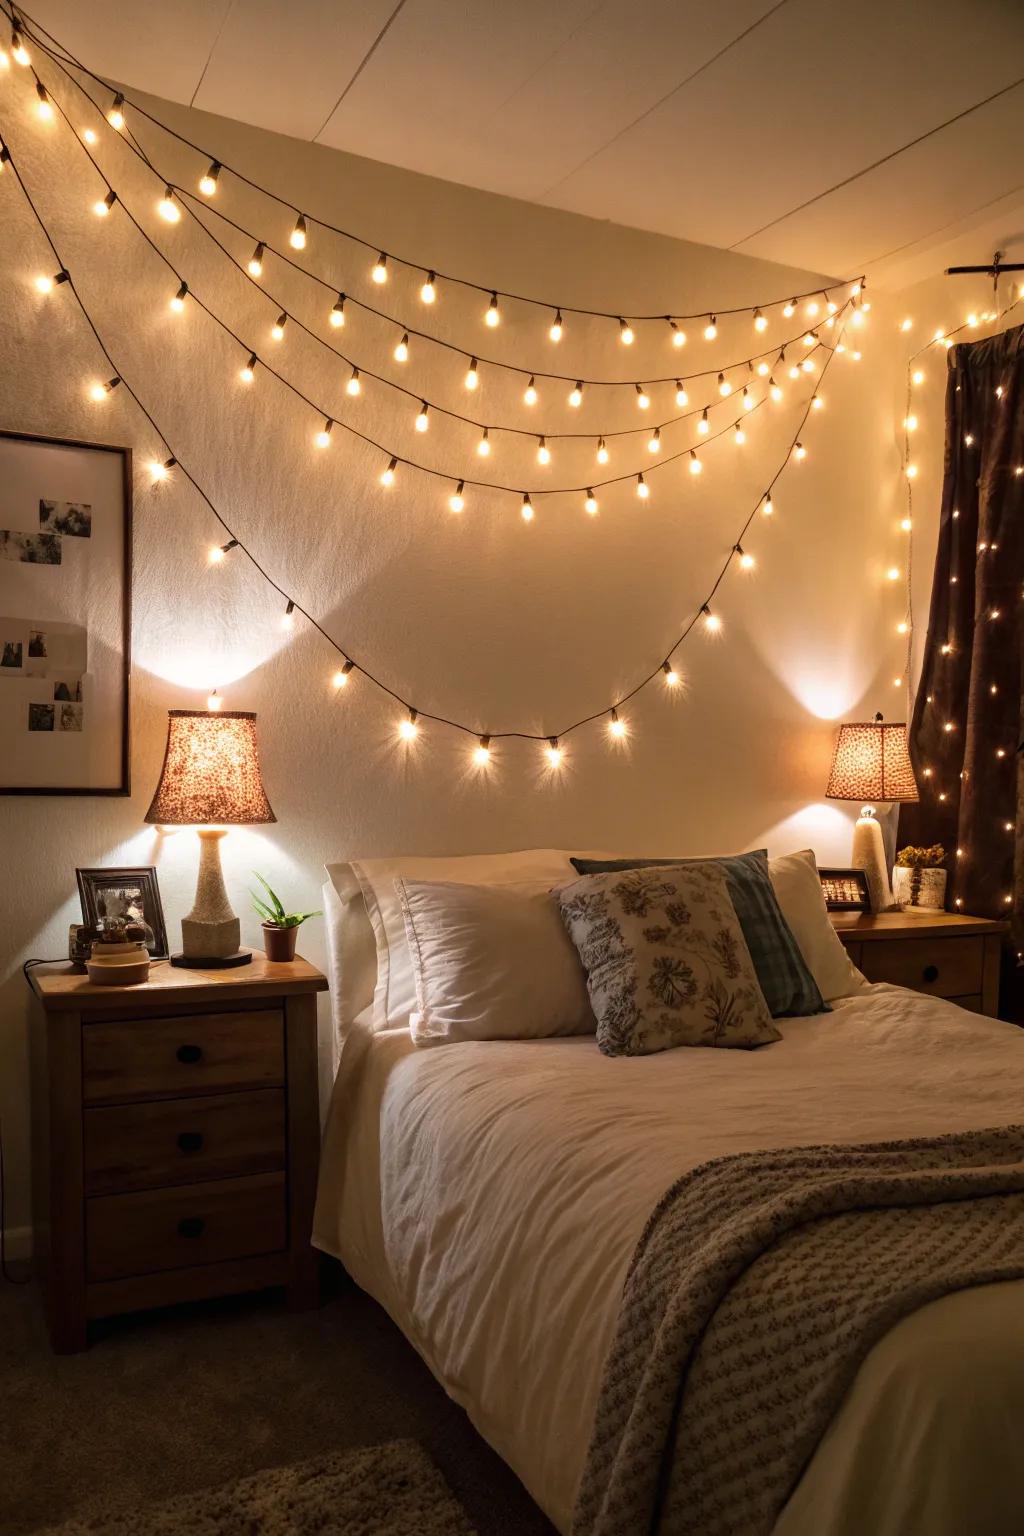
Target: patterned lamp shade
{"x":211,"y":772}
{"x":871,"y":762}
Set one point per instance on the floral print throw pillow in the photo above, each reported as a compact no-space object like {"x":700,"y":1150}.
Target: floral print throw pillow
{"x":666,"y":960}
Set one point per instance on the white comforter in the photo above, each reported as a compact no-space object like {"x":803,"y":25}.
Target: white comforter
{"x":489,"y":1195}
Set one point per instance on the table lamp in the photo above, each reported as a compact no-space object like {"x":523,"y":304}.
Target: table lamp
{"x":871,"y":762}
{"x":210,"y":780}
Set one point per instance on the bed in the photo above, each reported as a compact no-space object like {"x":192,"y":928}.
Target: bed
{"x":490,"y":1195}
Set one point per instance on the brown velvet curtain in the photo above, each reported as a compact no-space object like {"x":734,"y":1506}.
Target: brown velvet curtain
{"x":968,"y":727}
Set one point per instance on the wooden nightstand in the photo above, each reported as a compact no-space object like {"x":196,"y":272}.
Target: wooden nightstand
{"x":176,"y":1136}
{"x":944,"y":955}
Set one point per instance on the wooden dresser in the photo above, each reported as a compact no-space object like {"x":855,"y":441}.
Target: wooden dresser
{"x":176,"y":1135}
{"x":944,"y":954}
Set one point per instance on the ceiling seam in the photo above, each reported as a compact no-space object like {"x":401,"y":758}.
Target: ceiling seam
{"x":932,"y":235}
{"x":874,"y":166}
{"x":368,"y":55}
{"x":628,"y":128}
{"x":213,"y":48}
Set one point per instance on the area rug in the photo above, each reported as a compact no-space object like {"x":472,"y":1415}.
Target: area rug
{"x":379,"y":1490}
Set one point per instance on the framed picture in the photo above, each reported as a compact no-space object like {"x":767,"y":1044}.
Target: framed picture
{"x":65,"y":616}
{"x":131,"y":895}
{"x":845,"y":890}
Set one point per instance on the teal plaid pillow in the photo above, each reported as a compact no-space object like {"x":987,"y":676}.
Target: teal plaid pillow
{"x":788,"y":986}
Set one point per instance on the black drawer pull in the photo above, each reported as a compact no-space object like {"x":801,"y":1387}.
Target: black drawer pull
{"x":191,"y":1226}
{"x":930,"y":973}
{"x":189,"y":1053}
{"x":190,"y":1141}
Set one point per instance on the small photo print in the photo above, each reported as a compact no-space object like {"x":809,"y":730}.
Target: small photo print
{"x":71,"y":518}
{"x":40,"y":717}
{"x":11,"y":652}
{"x":68,"y":692}
{"x":37,"y":647}
{"x":30,"y":548}
{"x":69,"y":717}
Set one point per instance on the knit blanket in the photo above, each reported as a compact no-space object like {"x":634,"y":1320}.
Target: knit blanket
{"x":760,"y":1283}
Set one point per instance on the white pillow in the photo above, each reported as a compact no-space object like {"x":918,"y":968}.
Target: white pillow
{"x":799,"y":894}
{"x":394,"y":997}
{"x":491,"y":963}
{"x":351,"y":946}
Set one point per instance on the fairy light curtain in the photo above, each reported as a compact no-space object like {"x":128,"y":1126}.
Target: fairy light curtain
{"x":967,"y":729}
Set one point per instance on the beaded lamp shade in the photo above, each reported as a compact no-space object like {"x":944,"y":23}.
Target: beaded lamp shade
{"x":211,"y":772}
{"x":871,"y":762}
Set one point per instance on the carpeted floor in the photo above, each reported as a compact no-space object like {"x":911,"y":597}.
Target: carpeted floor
{"x":168,"y":1402}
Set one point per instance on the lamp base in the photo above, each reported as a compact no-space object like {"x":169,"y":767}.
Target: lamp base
{"x":212,"y":962}
{"x":868,"y":854}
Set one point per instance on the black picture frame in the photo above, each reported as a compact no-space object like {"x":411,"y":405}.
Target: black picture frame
{"x":124,"y":576}
{"x":94,"y":883}
{"x":845,"y":890}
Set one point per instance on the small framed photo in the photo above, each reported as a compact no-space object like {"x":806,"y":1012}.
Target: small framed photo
{"x":845,"y":890}
{"x":125,"y":895}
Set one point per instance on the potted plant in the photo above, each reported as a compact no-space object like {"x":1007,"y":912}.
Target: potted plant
{"x":279,"y":927}
{"x":919,"y":879}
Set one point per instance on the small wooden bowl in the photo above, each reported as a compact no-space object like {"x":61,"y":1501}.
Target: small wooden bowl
{"x":124,"y":965}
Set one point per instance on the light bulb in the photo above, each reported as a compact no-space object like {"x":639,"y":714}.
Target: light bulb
{"x":178,"y":301}
{"x":739,"y":436}
{"x":101,"y":208}
{"x":590,"y":504}
{"x":748,"y":400}
{"x":695,"y":464}
{"x":213,"y":701}
{"x":763,"y":369}
{"x":277,"y":329}
{"x":704,"y":425}
{"x":168,"y":208}
{"x":248,"y":371}
{"x":401,"y":352}
{"x":354,"y":387}
{"x":747,"y":562}
{"x":530,"y":392}
{"x":616,"y":727}
{"x":769,"y":506}
{"x":44,"y":283}
{"x":220,"y":551}
{"x":625,"y":333}
{"x":602,"y":451}
{"x":643,"y":399}
{"x":297,"y":238}
{"x":472,"y":378}
{"x":789,"y":309}
{"x":456,"y":501}
{"x":671,"y":675}
{"x":388,"y":475}
{"x":493,"y":315}
{"x":115,"y":116}
{"x":543,"y":452}
{"x":812,"y":308}
{"x":256,"y":261}
{"x":682,"y":398}
{"x":288,"y":617}
{"x":893,"y":573}
{"x":831,"y":305}
{"x":5,"y":61}
{"x":423,"y":420}
{"x":99,"y":392}
{"x":901,"y":628}
{"x":553,"y":752}
{"x":774,"y":390}
{"x":408,"y":729}
{"x":44,"y":106}
{"x":917,"y":377}
{"x":794,"y":371}
{"x":482,"y":752}
{"x":576,"y":395}
{"x":711,"y":329}
{"x":380,"y":270}
{"x":643,"y":490}
{"x":654,"y":441}
{"x":760,"y":321}
{"x":711,"y":620}
{"x":340,"y":679}
{"x":428,"y":293}
{"x":911,"y":471}
{"x":208,"y":183}
{"x":799,"y":451}
{"x":809,"y":338}
{"x":907,"y":324}
{"x":483,"y":447}
{"x":678,"y":336}
{"x":555,"y":333}
{"x":19,"y":53}
{"x":337,"y":315}
{"x":724,"y":387}
{"x":161,"y":470}
{"x":526,"y":510}
{"x":323,"y":437}
{"x":90,"y":136}
{"x":910,"y":422}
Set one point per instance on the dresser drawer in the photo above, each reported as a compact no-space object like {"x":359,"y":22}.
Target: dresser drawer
{"x":943,"y":967}
{"x":178,"y":1057}
{"x":175,"y":1228}
{"x":174,"y":1141}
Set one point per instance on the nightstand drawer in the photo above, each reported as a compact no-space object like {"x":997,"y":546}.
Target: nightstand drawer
{"x":174,"y":1141}
{"x":943,"y":967}
{"x":179,"y":1227}
{"x":178,"y":1057}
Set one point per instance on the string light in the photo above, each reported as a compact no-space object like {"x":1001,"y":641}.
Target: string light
{"x":483,"y":447}
{"x":213,"y":701}
{"x":590,"y":504}
{"x":643,"y":399}
{"x":423,"y":419}
{"x":530,"y":392}
{"x":255,"y":263}
{"x":482,"y":752}
{"x":704,"y":425}
{"x":616,"y":727}
{"x":724,"y":387}
{"x":208,"y":183}
{"x":543,"y":451}
{"x":711,"y":620}
{"x":553,"y":752}
{"x":288,"y":617}
{"x":408,"y":729}
{"x":297,"y":238}
{"x":472,"y":378}
{"x":682,"y":398}
{"x":654,"y":441}
{"x":555,"y":333}
{"x":99,"y":392}
{"x":746,"y":561}
{"x":493,"y":315}
{"x":44,"y":106}
{"x":799,"y":452}
{"x":763,"y":369}
{"x":220,"y":552}
{"x":711,"y":329}
{"x":167,"y":208}
{"x":526,"y":510}
{"x":248,"y":371}
{"x":760,"y":321}
{"x":277,"y":329}
{"x":337,"y":315}
{"x":388,"y":475}
{"x":748,"y":400}
{"x":456,"y":501}
{"x":19,"y":53}
{"x":341,"y":677}
{"x":643,"y":490}
{"x":576,"y":395}
{"x":739,"y":436}
{"x":354,"y":386}
{"x":401,"y":352}
{"x":625,"y":333}
{"x":602,"y":451}
{"x":774,"y":390}
{"x":178,"y":301}
{"x":380,"y":270}
{"x":115,"y":114}
{"x":768,"y":506}
{"x":102,"y":206}
{"x":789,"y":310}
{"x":161,"y":470}
{"x":428,"y":293}
{"x":671,"y":675}
{"x":90,"y":136}
{"x":323,"y":437}
{"x":678,"y":336}
{"x":46,"y":284}
{"x":812,"y":307}
{"x":695,"y":464}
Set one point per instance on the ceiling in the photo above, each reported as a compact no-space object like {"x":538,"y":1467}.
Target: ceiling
{"x":838,"y":138}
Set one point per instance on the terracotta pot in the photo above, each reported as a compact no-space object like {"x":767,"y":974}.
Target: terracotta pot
{"x":279,"y":943}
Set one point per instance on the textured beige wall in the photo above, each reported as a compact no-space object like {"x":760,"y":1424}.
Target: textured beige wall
{"x":473,"y":616}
